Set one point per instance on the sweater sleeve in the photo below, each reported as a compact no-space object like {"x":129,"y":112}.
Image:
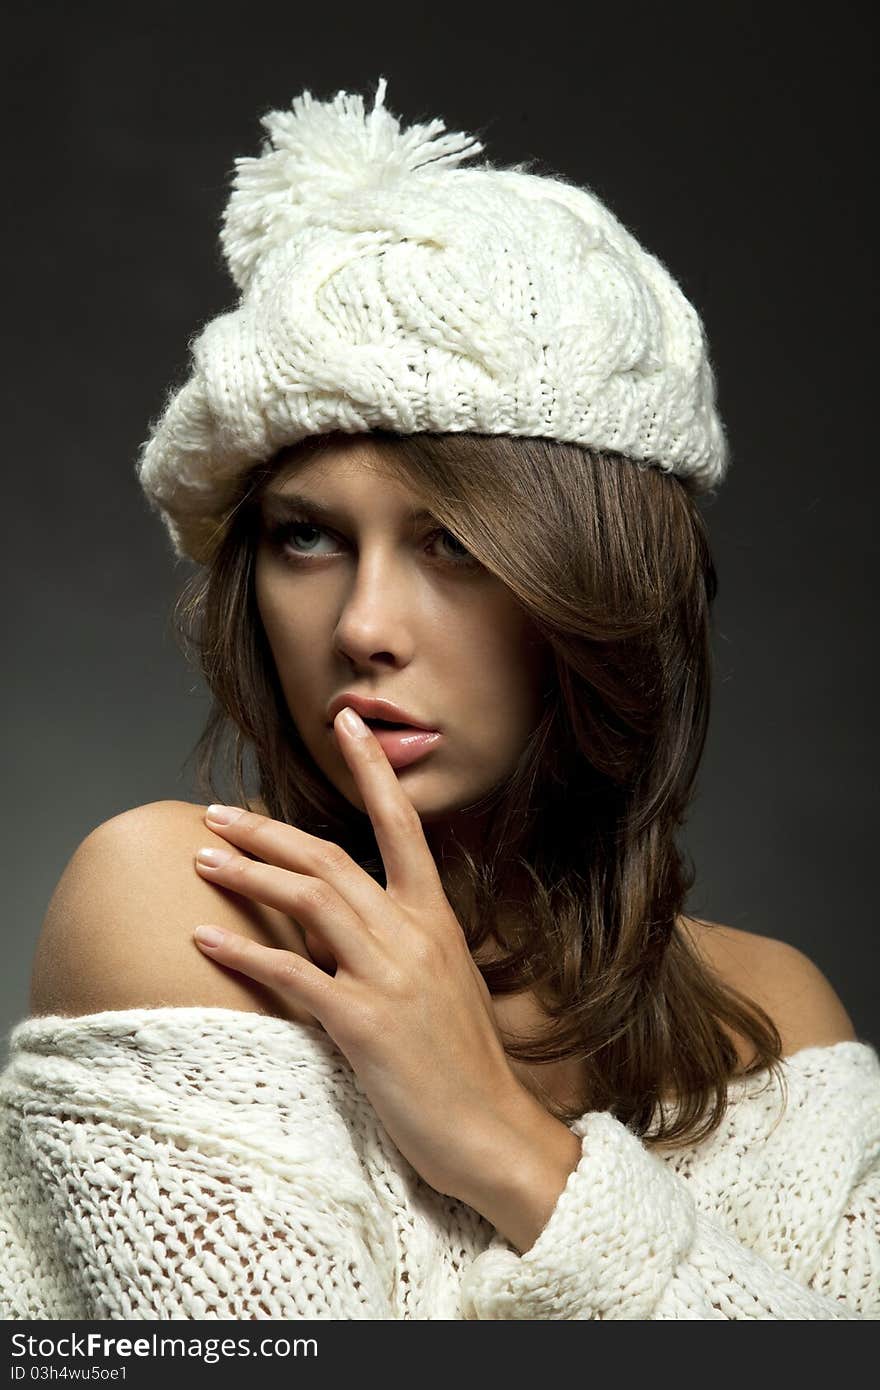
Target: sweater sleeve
{"x":778,"y":1217}
{"x":176,"y":1166}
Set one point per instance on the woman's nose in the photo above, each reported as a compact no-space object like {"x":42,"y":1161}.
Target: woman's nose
{"x":377,"y":617}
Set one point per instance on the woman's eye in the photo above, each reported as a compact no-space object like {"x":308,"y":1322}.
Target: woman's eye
{"x":286,"y":537}
{"x":461,"y":555}
{"x":282,"y":534}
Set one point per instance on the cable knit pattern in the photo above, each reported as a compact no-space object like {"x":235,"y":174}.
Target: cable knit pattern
{"x":383,"y":286}
{"x":210,"y":1163}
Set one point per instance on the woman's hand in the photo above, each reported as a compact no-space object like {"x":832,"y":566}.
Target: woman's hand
{"x":407,"y":1005}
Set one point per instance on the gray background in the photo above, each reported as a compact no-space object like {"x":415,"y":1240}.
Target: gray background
{"x":733,"y":146}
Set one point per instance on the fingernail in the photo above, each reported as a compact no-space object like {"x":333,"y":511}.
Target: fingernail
{"x":208,"y":936}
{"x":213,"y":858}
{"x":353,"y":723}
{"x":222,"y":815}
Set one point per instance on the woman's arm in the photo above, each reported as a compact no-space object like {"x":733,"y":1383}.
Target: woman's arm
{"x":774,"y":1221}
{"x":519,"y":1198}
{"x":793,"y":1230}
{"x":627,"y":1240}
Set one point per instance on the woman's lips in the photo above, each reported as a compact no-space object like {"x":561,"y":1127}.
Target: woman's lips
{"x":405,"y":745}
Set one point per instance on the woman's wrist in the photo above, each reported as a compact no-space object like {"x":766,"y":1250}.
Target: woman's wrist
{"x":521,"y":1173}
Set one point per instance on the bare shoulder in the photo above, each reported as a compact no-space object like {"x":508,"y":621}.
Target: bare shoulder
{"x":780,"y":978}
{"x":118,"y":929}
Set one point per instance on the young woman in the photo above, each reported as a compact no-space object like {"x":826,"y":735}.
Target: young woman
{"x":451,"y":1047}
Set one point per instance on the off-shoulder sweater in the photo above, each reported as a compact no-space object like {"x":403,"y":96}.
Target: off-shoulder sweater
{"x":211,"y":1163}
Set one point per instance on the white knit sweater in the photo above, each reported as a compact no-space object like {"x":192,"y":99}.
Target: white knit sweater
{"x":211,"y":1163}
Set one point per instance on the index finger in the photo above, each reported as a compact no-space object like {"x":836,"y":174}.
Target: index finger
{"x":410,"y":870}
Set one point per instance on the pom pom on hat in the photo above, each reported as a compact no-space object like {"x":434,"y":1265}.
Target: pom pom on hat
{"x":384,"y":286}
{"x":318,"y":153}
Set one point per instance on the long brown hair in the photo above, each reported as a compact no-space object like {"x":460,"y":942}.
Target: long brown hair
{"x":612,"y":562}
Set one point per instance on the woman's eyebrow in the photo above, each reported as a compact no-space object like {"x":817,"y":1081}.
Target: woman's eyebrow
{"x":286,"y":503}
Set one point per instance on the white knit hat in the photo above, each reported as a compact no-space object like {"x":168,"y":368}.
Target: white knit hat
{"x":384,"y":287}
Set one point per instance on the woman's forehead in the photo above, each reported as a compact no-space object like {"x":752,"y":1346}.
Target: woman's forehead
{"x":352,"y":464}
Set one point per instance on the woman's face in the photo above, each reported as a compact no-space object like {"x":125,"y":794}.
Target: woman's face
{"x":356,"y":596}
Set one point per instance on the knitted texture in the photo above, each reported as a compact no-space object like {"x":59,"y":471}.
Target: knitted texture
{"x":382,"y":285}
{"x":210,"y":1163}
